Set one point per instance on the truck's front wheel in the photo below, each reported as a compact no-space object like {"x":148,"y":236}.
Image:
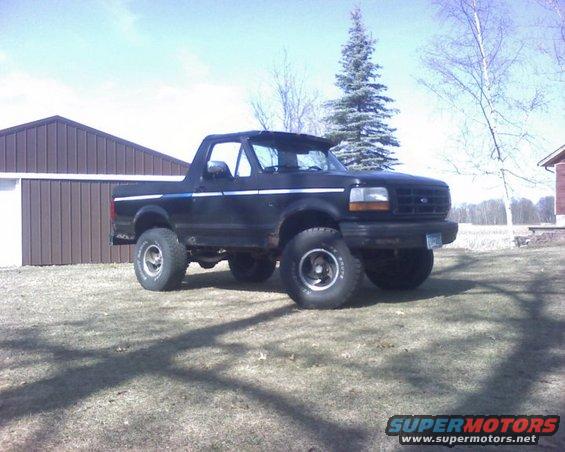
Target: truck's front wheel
{"x":319,"y":271}
{"x":248,"y":268}
{"x":402,"y":269}
{"x":160,"y":261}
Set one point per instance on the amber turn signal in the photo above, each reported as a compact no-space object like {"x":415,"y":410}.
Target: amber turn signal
{"x":381,"y":206}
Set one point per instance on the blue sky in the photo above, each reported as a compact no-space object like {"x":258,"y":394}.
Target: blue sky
{"x":165,"y":73}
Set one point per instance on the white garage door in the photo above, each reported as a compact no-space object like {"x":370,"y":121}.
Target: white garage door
{"x":10,"y":222}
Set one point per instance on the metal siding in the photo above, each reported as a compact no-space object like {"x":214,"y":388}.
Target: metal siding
{"x":86,"y":222}
{"x":560,"y":188}
{"x":62,"y":151}
{"x":166,"y":167}
{"x":11,"y":152}
{"x":45,"y":221}
{"x":130,"y":160}
{"x":35,"y":219}
{"x":148,"y":163}
{"x":59,"y":145}
{"x":30,"y":154}
{"x":81,"y":151}
{"x":52,"y":148}
{"x":91,"y":167}
{"x":21,"y":153}
{"x":2,"y":151}
{"x":56,"y":233}
{"x":42,"y":149}
{"x":68,"y":222}
{"x":111,"y":159}
{"x":101,"y":154}
{"x":95,"y":221}
{"x":76,"y":223}
{"x":121,"y":158}
{"x":158,"y":166}
{"x":104,"y":222}
{"x":139,"y":163}
{"x":26,"y":224}
{"x":72,"y":151}
{"x":66,"y":225}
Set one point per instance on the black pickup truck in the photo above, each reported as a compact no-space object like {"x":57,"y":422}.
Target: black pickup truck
{"x":258,"y":197}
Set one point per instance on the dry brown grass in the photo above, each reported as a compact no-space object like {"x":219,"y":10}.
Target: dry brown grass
{"x":90,"y":360}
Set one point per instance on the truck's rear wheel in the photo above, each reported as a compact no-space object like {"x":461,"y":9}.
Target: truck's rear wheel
{"x":402,"y":269}
{"x":248,"y":268}
{"x":319,"y":271}
{"x":160,"y":261}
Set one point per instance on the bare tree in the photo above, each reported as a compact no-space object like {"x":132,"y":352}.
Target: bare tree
{"x":286,"y":102}
{"x":472,"y":67}
{"x":546,"y":209}
{"x":554,"y":26}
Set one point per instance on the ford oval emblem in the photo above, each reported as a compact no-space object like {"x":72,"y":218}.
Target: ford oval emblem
{"x":424,"y":200}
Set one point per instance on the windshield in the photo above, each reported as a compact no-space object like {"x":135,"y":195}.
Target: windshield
{"x":285,"y":156}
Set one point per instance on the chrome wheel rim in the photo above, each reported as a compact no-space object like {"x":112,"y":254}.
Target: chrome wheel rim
{"x":318,"y":269}
{"x":152,"y":260}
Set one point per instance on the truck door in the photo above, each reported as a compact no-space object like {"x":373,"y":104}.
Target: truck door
{"x":223,"y":204}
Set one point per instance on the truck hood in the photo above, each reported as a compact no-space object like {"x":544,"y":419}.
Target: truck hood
{"x":372,"y":178}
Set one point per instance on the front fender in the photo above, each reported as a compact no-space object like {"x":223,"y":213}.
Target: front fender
{"x":310,"y":204}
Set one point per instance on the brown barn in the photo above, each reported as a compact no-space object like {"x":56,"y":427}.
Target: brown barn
{"x":56,"y":176}
{"x":557,"y":160}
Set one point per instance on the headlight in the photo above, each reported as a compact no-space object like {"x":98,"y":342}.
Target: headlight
{"x":368,"y":198}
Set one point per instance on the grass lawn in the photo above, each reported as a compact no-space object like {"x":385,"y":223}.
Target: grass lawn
{"x":90,"y":360}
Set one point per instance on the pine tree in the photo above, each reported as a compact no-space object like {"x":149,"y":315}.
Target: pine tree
{"x":358,"y":121}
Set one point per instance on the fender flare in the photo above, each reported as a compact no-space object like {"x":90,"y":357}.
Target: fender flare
{"x":308,"y":205}
{"x":152,"y":210}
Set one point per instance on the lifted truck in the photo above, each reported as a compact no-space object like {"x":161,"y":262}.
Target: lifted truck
{"x":255,"y":198}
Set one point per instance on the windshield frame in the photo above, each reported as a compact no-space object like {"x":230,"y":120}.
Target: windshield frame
{"x":315,"y":146}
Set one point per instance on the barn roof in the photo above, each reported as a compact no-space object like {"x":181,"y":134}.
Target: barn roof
{"x":45,"y":145}
{"x":555,"y":157}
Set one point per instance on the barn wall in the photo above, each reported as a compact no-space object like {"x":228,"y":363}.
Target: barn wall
{"x":62,"y":146}
{"x":560,"y":190}
{"x":68,"y":222}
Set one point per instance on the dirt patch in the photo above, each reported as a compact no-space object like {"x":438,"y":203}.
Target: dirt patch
{"x":90,"y":360}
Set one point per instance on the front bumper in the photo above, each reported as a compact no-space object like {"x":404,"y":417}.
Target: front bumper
{"x":386,"y":235}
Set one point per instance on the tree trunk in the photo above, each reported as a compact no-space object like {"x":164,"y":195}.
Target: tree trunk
{"x":490,"y":115}
{"x":508,"y":208}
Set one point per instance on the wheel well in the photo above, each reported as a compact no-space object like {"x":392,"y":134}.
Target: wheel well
{"x":150,"y":220}
{"x":301,"y":221}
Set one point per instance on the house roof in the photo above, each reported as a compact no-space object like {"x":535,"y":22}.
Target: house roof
{"x":555,"y":157}
{"x":61,"y":119}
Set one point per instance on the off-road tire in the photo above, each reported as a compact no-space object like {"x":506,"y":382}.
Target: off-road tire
{"x":174,"y":260}
{"x":251,"y":269}
{"x":349,"y":274}
{"x":407,"y":271}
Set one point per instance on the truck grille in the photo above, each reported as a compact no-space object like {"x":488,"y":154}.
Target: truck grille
{"x":422,"y":201}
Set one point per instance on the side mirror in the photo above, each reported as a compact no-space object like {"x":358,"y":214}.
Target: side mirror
{"x":217,"y":169}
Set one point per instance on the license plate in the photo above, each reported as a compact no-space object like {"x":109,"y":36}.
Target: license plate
{"x":433,"y":241}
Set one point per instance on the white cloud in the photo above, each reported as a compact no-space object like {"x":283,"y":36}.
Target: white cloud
{"x":169,"y":118}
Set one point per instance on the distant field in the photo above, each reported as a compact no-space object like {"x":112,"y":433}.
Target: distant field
{"x":483,"y":238}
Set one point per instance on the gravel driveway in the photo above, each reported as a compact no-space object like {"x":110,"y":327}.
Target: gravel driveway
{"x":90,"y":360}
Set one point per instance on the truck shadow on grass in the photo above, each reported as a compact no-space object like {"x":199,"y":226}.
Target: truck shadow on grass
{"x":369,"y":295}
